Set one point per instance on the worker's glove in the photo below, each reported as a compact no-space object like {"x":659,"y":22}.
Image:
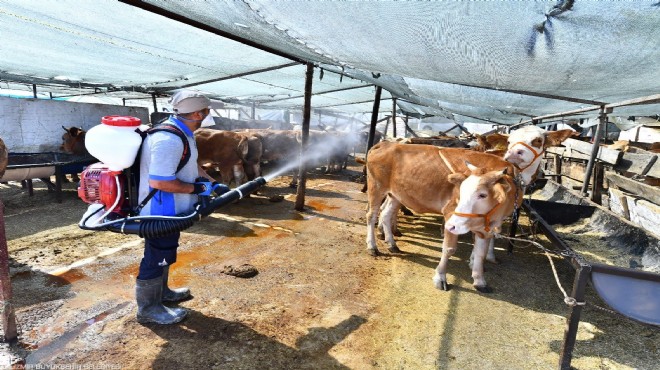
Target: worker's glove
{"x":219,"y":188}
{"x":202,"y":188}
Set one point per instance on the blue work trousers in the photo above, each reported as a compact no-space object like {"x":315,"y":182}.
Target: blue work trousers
{"x":158,"y":253}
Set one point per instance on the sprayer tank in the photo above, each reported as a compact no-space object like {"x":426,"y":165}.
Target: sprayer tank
{"x":115,"y":141}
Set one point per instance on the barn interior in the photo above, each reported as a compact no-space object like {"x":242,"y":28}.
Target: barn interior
{"x":406,"y":69}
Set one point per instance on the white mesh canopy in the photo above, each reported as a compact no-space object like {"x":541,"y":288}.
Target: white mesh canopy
{"x":498,"y":62}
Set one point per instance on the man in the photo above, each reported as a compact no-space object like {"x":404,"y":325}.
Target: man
{"x":169,"y":182}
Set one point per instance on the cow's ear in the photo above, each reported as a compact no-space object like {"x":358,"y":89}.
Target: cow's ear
{"x":554,"y":138}
{"x":497,"y":141}
{"x":65,"y":129}
{"x":456,"y":178}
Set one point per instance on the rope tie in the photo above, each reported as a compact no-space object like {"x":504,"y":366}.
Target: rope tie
{"x":569,"y":301}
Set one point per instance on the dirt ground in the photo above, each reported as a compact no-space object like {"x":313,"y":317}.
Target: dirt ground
{"x":319,"y":300}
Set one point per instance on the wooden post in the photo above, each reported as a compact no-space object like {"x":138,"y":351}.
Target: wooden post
{"x":558,"y":168}
{"x":602,"y":117}
{"x":34,"y":91}
{"x":599,"y":178}
{"x":307,"y":112}
{"x":374,"y":118}
{"x":153,"y":100}
{"x":7,"y":317}
{"x":393,"y":117}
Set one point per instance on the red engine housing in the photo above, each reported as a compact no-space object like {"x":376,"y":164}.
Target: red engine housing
{"x":99,"y":185}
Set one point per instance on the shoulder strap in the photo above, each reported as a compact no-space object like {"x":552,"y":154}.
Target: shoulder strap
{"x":184,"y":157}
{"x":174,"y":130}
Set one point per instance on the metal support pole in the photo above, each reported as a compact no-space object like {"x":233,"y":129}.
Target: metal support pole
{"x":153,"y":99}
{"x":570,"y":334}
{"x":34,"y":91}
{"x":253,"y":112}
{"x":393,"y":117}
{"x":602,"y":118}
{"x":307,"y":112}
{"x":374,"y":118}
{"x":7,"y":317}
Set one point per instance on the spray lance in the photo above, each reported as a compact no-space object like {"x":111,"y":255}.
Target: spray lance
{"x":110,"y":188}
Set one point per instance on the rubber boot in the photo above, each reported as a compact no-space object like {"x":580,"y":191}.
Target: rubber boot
{"x":173,"y":295}
{"x":148,"y":294}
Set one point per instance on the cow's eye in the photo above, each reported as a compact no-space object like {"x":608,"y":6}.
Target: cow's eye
{"x":482,"y":195}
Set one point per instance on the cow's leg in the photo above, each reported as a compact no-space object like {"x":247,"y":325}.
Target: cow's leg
{"x":374,"y":199}
{"x":490,"y":255}
{"x":239,"y":174}
{"x":480,"y":251}
{"x":393,"y":211}
{"x":386,"y":216}
{"x":448,"y":249}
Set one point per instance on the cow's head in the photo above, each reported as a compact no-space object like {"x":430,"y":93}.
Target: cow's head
{"x":481,"y":195}
{"x":526,"y":145}
{"x":73,"y":140}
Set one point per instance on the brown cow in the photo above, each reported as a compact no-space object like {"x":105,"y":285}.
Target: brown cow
{"x":417,"y":176}
{"x":252,"y":161}
{"x":280,"y":147}
{"x":224,"y":150}
{"x":4,"y":158}
{"x":73,"y":141}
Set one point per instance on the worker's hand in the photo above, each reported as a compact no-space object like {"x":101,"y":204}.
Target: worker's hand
{"x":219,"y":188}
{"x":203,"y":188}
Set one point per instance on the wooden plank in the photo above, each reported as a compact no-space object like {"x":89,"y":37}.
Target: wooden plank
{"x":606,"y":155}
{"x":637,"y":163}
{"x":651,"y":193}
{"x":568,"y":153}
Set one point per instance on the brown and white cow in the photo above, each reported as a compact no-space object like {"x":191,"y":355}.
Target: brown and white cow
{"x":4,"y":158}
{"x":417,"y":176}
{"x":486,"y":198}
{"x":224,"y":150}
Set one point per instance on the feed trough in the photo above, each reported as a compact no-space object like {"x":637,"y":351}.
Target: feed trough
{"x":28,"y":166}
{"x":620,"y":259}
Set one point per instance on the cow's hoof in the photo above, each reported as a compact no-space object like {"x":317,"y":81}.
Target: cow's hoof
{"x":397,"y":233}
{"x":483,"y":289}
{"x":445,"y":286}
{"x":373,"y":252}
{"x":394,"y":249}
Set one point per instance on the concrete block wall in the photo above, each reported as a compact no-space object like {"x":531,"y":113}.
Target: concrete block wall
{"x":35,"y":125}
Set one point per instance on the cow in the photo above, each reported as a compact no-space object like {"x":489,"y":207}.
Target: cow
{"x":523,"y":148}
{"x":328,"y":148}
{"x":4,"y":158}
{"x":73,"y":142}
{"x":281,"y":147}
{"x":222,"y":150}
{"x":418,"y":177}
{"x":252,"y":160}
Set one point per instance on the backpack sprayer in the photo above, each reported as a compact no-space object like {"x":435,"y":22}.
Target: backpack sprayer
{"x":110,"y":187}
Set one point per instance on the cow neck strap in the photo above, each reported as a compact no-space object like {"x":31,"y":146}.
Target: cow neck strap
{"x":536,"y":155}
{"x":447,"y":163}
{"x":485,"y":216}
